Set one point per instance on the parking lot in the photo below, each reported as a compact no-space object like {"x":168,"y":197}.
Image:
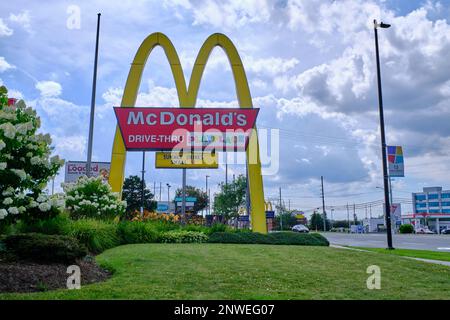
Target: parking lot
{"x":378,"y":240}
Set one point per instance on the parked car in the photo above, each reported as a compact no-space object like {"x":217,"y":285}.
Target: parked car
{"x":445,"y":231}
{"x":423,"y":230}
{"x":300,"y":228}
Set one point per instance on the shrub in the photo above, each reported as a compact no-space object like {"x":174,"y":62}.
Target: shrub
{"x":183,"y":237}
{"x":45,"y":248}
{"x":406,"y":228}
{"x":25,"y":165}
{"x":96,"y":235}
{"x":278,"y":238}
{"x":56,"y":225}
{"x":219,"y":227}
{"x":137,"y":232}
{"x":196,"y":228}
{"x":91,"y":198}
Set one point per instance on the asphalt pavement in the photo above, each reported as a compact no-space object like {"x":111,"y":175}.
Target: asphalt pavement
{"x":404,"y":241}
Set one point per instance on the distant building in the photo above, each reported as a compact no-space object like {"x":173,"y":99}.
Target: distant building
{"x":373,"y":225}
{"x":431,"y":208}
{"x":431,"y":200}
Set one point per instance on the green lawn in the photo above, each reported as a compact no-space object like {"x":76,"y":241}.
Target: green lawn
{"x":226,"y":271}
{"x":424,"y":254}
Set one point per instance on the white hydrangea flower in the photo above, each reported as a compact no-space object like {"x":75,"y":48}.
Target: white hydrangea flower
{"x":35,"y":160}
{"x":8,"y":115}
{"x":9,"y":191}
{"x":7,"y":201}
{"x":23,"y":128}
{"x":3,"y":165}
{"x":22,"y":209}
{"x":3,"y":213}
{"x":2,"y":145}
{"x":41,"y":198}
{"x":8,"y":129}
{"x":44,"y":206}
{"x":20,"y":173}
{"x":29,"y":111}
{"x":13,"y":210}
{"x":33,"y":204}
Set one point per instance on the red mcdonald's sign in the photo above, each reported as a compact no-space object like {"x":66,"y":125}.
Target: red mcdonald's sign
{"x":183,"y":128}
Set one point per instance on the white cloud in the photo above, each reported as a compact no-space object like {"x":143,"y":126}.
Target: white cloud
{"x":49,"y":88}
{"x":224,"y":14}
{"x":4,"y":65}
{"x":4,"y":30}
{"x":23,"y":19}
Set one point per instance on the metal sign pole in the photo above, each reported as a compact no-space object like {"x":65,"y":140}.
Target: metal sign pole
{"x":94,"y":86}
{"x":183,"y":204}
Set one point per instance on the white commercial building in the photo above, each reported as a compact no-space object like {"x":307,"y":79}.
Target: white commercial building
{"x":430,"y":208}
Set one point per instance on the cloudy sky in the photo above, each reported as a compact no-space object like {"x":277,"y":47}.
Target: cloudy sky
{"x":311,"y":70}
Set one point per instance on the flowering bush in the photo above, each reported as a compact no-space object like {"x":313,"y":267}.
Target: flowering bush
{"x":181,"y":236}
{"x":25,"y":165}
{"x":91,"y":198}
{"x":150,"y":215}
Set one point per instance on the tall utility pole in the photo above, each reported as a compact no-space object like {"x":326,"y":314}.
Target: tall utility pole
{"x":226,"y":172}
{"x":209,"y":202}
{"x":94,"y":88}
{"x":143,"y":183}
{"x":154,"y":190}
{"x":323,"y":207}
{"x":160,"y":191}
{"x":281,"y":213}
{"x":168,"y":194}
{"x":206,"y":191}
{"x":348,"y":218}
{"x":355,"y":218}
{"x":383,"y":138}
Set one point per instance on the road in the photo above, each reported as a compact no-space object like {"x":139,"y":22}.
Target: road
{"x":404,"y":241}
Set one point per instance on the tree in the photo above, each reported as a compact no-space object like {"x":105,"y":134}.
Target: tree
{"x":289,"y":220}
{"x":316,"y":222}
{"x":230,"y":197}
{"x":132,"y":194}
{"x":25,"y":165}
{"x":202,"y":197}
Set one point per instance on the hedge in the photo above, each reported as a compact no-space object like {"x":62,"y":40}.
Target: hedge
{"x":183,"y":237}
{"x":45,"y":248}
{"x":277,"y":238}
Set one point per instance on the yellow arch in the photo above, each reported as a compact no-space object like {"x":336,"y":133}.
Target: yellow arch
{"x":188,"y":98}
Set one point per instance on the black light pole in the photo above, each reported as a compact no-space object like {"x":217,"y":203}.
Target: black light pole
{"x":323,"y":208}
{"x":94,"y":88}
{"x":143,"y":184}
{"x":383,"y":138}
{"x":206,"y":191}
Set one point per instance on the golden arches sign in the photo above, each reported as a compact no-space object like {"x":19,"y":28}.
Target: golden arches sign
{"x":187,"y":99}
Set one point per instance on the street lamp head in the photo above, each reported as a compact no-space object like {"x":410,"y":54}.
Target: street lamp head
{"x":381,"y":25}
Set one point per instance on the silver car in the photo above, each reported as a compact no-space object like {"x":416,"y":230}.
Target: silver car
{"x":300,"y":228}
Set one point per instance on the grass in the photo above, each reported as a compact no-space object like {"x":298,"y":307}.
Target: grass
{"x":228,"y":271}
{"x":423,"y":254}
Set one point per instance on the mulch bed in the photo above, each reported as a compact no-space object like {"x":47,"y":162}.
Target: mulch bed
{"x":25,"y":276}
